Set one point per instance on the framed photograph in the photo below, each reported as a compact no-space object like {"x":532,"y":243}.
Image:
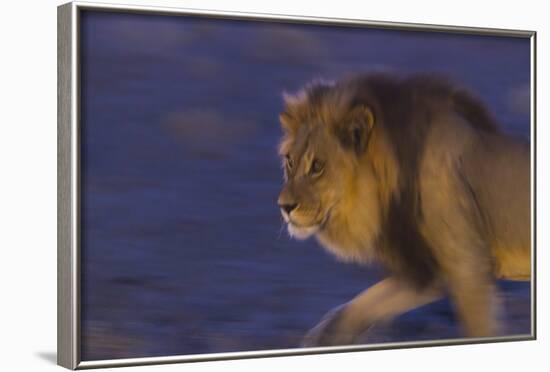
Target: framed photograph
{"x":235,"y":185}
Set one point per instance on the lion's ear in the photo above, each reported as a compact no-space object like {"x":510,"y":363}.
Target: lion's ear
{"x":357,"y":129}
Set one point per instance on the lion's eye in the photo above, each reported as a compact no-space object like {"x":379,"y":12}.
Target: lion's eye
{"x":317,"y":167}
{"x":289,"y":162}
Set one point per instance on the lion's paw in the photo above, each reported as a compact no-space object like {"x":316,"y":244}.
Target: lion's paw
{"x":331,"y":331}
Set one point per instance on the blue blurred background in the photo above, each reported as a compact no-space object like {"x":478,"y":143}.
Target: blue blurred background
{"x":183,"y":248}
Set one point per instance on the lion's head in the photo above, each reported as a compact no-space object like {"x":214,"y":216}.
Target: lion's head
{"x":334,"y":180}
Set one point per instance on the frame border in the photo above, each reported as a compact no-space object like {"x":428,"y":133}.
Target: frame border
{"x":68,"y":180}
{"x":68,"y":244}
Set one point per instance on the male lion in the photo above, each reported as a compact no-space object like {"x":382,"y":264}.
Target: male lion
{"x":415,"y":174}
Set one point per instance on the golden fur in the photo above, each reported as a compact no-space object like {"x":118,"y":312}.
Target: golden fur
{"x":412,"y":173}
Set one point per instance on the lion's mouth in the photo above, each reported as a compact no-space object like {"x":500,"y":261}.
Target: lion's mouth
{"x":304,"y":231}
{"x":301,"y":232}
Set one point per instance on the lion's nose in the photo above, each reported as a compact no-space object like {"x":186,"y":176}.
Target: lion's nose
{"x":288,"y":207}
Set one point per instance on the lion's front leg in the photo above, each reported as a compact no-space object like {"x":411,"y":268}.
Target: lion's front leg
{"x":381,"y":302}
{"x":333,"y":329}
